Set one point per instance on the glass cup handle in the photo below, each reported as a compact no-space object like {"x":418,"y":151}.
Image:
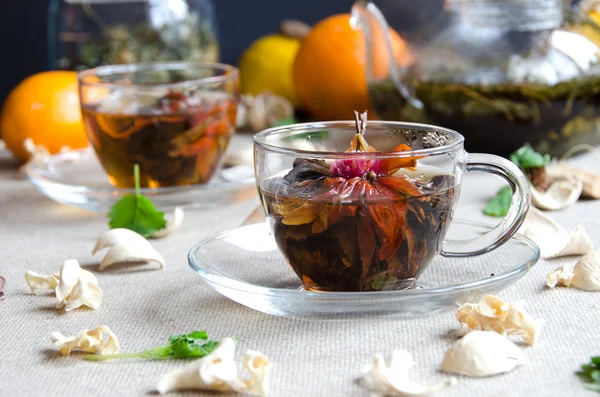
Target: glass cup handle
{"x":521,"y":199}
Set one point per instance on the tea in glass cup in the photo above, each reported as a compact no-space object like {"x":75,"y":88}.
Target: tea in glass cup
{"x":173,"y":119}
{"x":367,"y":210}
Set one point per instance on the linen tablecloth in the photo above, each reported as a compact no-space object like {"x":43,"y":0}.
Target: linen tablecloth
{"x":143,"y":307}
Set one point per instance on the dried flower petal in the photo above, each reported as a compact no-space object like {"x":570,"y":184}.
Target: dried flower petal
{"x":97,"y":341}
{"x":218,"y":372}
{"x":589,"y":179}
{"x":554,"y":241}
{"x":560,"y":276}
{"x":562,"y":193}
{"x":2,"y":284}
{"x":482,"y":353}
{"x":586,"y":273}
{"x":172,"y":226}
{"x":390,"y":377}
{"x":126,"y":247}
{"x":38,"y":283}
{"x":493,"y":314}
{"x":77,"y":287}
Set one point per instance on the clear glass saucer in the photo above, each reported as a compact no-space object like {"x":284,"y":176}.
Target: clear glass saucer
{"x":245,"y":265}
{"x":77,"y":178}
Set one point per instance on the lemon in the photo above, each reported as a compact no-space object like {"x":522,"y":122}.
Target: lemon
{"x":267,"y":65}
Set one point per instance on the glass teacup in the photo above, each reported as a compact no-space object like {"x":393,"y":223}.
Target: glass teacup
{"x":173,"y":119}
{"x":371,"y":220}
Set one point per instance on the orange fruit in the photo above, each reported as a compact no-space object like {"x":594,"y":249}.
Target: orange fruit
{"x":45,"y":108}
{"x":330,"y":67}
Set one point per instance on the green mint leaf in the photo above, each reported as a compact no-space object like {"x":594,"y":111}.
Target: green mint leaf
{"x":198,"y":335}
{"x":136,"y":212}
{"x":175,"y":338}
{"x":590,"y":373}
{"x":526,"y":157}
{"x":500,"y":204}
{"x":180,"y":346}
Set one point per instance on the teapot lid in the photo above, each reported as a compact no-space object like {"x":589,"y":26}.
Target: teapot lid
{"x":513,"y":15}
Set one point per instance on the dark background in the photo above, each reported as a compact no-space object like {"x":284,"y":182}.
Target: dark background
{"x":23,"y":26}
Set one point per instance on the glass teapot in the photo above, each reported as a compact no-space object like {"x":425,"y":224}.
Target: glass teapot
{"x":501,"y":72}
{"x":88,"y":33}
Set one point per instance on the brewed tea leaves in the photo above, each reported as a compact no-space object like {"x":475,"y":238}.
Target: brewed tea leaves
{"x":500,"y":204}
{"x":525,"y":158}
{"x":136,"y":212}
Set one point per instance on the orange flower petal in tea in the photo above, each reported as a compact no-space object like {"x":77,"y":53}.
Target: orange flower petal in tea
{"x":400,"y":184}
{"x":390,"y":166}
{"x":120,"y":127}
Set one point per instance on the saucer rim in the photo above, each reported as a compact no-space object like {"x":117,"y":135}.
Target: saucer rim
{"x":32,"y":169}
{"x":225,"y":282}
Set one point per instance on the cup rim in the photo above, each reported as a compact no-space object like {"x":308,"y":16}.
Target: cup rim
{"x":231,"y":73}
{"x":455,"y":142}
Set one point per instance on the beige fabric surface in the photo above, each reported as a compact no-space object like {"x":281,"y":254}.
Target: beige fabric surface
{"x":143,"y":307}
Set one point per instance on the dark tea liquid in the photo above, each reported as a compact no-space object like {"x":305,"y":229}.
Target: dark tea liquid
{"x":174,"y":139}
{"x":345,"y":248}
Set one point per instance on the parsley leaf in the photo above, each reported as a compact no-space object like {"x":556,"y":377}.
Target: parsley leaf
{"x":590,"y":373}
{"x":526,"y":157}
{"x":136,"y":212}
{"x":190,"y":345}
{"x":500,"y":204}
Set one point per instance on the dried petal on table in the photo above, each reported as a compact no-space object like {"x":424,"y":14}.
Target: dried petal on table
{"x":562,"y":193}
{"x":98,"y":341}
{"x":77,"y":288}
{"x":586,"y":273}
{"x":494,"y":314}
{"x":560,"y":276}
{"x":389,"y":377}
{"x":39,"y":283}
{"x":262,"y":111}
{"x":554,"y":241}
{"x":172,"y":226}
{"x":2,"y":284}
{"x":590,"y":180}
{"x":482,"y":353}
{"x":218,"y":372}
{"x":126,"y":247}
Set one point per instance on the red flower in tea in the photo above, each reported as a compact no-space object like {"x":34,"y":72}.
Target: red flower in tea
{"x":351,"y":225}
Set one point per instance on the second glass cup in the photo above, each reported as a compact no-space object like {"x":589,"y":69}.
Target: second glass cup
{"x":173,"y":119}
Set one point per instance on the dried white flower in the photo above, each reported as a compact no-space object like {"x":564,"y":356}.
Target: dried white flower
{"x":482,"y":353}
{"x":171,"y":226}
{"x":77,"y":287}
{"x":389,"y":377}
{"x":560,"y":276}
{"x":73,"y":286}
{"x":590,"y":180}
{"x":126,"y":247}
{"x":562,"y":193}
{"x":586,"y":273}
{"x":493,"y":314}
{"x":262,"y":111}
{"x":98,"y":341}
{"x":218,"y":372}
{"x":39,"y":283}
{"x":40,"y":153}
{"x":554,"y":241}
